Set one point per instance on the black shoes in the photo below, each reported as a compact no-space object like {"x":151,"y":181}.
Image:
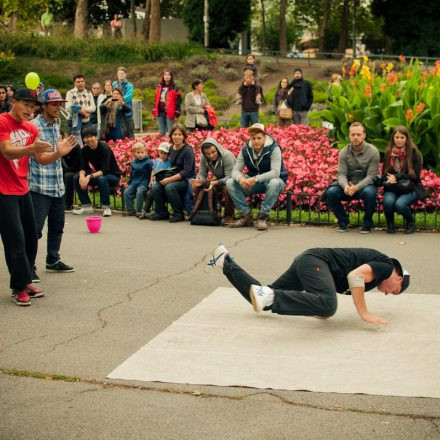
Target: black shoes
{"x":59,"y":267}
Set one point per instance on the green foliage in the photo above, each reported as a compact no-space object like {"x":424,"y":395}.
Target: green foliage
{"x":230,"y":73}
{"x":201,"y":71}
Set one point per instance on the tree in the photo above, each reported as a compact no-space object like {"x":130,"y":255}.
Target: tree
{"x":133,"y":16}
{"x":81,"y":19}
{"x":155,"y":21}
{"x":324,"y":25}
{"x":343,"y":36}
{"x":283,"y":28}
{"x":146,"y":23}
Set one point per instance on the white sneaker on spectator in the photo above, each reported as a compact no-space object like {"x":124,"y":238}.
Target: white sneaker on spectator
{"x":261,"y":297}
{"x":107,"y":212}
{"x":83,"y":210}
{"x":218,"y":257}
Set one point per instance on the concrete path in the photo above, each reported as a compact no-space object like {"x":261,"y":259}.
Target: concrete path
{"x":135,"y":278}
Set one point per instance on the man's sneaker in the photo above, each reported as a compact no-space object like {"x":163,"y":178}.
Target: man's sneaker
{"x":261,"y":297}
{"x":68,"y":209}
{"x":145,"y":215}
{"x":366,"y":230}
{"x":35,"y":277}
{"x":261,"y":224}
{"x":342,"y":227}
{"x":243,"y":221}
{"x":59,"y":267}
{"x":107,"y":212}
{"x":21,"y":298}
{"x":33,"y":292}
{"x":83,"y":210}
{"x":218,"y":257}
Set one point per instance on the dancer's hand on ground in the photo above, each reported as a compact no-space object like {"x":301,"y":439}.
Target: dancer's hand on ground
{"x":374,"y":319}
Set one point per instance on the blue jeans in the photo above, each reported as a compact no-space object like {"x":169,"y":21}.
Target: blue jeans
{"x":135,"y":191}
{"x":52,"y":209}
{"x":103,"y":183}
{"x":174,"y":192}
{"x":335,"y":195}
{"x":248,"y":118}
{"x":400,"y":203}
{"x":271,"y":190}
{"x":164,"y":123}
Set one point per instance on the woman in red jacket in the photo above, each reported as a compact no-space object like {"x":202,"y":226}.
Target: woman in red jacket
{"x":167,"y":103}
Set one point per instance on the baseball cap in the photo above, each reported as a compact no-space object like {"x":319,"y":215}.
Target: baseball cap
{"x":403,"y":273}
{"x":256,"y":128}
{"x":164,"y":146}
{"x":51,"y":95}
{"x":25,"y":94}
{"x":41,"y":85}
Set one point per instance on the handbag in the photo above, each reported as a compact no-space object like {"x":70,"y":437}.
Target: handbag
{"x":284,"y":111}
{"x":402,"y":186}
{"x":201,"y":120}
{"x":204,"y":212}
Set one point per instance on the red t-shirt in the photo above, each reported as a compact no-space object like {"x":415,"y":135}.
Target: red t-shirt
{"x":14,"y":173}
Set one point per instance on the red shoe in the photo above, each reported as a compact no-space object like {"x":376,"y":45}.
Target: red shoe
{"x":33,"y":292}
{"x":21,"y":298}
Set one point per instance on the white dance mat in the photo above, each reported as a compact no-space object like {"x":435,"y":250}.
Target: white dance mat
{"x":223,"y":342}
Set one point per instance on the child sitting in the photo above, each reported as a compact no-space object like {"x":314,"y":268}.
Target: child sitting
{"x":161,"y":163}
{"x":138,"y":183}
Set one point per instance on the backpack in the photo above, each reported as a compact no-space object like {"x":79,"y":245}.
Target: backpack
{"x":204,"y":212}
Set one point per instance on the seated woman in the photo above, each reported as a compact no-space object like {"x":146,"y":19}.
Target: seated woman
{"x":174,"y":187}
{"x":116,"y":118}
{"x":195,"y":102}
{"x":401,"y":178}
{"x":5,"y":105}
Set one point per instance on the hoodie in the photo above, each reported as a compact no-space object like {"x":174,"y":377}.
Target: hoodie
{"x":221,"y":169}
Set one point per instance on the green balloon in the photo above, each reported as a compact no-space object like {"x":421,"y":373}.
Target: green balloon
{"x":32,"y":80}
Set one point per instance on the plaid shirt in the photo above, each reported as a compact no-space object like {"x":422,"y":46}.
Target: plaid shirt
{"x":46,"y":179}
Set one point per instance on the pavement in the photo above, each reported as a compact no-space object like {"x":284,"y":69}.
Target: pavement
{"x":131,"y":281}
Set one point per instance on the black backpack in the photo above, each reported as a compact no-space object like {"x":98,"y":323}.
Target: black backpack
{"x":205,"y":212}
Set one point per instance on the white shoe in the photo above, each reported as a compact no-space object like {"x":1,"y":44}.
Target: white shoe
{"x":218,"y":257}
{"x":261,"y":297}
{"x":83,"y":210}
{"x":107,"y":212}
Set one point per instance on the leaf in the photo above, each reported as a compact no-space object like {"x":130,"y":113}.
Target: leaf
{"x":392,"y":122}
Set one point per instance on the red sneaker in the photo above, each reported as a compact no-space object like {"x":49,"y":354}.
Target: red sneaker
{"x":21,"y":298}
{"x":33,"y":292}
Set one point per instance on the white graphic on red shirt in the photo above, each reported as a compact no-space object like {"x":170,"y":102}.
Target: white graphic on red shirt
{"x":19,"y":138}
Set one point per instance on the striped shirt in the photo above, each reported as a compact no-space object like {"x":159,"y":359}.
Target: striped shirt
{"x":46,"y":179}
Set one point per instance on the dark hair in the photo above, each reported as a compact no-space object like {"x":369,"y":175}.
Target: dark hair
{"x":250,"y":55}
{"x":279,"y":84}
{"x":4,"y":88}
{"x":207,"y":145}
{"x":78,"y":76}
{"x":89,"y":131}
{"x":119,"y":90}
{"x":195,"y":83}
{"x":297,"y":69}
{"x":411,"y":151}
{"x":11,"y":87}
{"x":162,"y":81}
{"x":181,"y":128}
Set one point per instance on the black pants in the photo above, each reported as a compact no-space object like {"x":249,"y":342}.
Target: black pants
{"x":51,"y":208}
{"x":19,"y":235}
{"x":70,"y":187}
{"x":307,"y":288}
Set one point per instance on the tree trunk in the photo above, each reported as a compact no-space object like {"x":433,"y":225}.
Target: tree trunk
{"x":155,"y":21}
{"x":324,"y":26}
{"x":146,"y":23}
{"x":388,"y":45}
{"x":81,"y":18}
{"x":283,"y":28}
{"x":133,"y":17}
{"x":263,"y":23}
{"x":343,"y":36}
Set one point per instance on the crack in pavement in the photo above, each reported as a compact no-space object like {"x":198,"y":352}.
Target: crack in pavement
{"x":21,"y":342}
{"x":129,"y":296}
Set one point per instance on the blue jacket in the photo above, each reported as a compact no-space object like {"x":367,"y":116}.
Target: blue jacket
{"x":127,"y":91}
{"x":140,"y":171}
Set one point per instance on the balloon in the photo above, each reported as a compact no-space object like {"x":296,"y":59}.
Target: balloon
{"x":32,"y":80}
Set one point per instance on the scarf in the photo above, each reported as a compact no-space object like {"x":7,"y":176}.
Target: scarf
{"x":110,"y":117}
{"x":298,"y":86}
{"x":282,"y":94}
{"x":397,"y":157}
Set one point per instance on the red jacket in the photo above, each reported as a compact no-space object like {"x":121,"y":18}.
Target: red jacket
{"x":173,"y":102}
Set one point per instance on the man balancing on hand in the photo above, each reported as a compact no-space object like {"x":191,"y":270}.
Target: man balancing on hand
{"x":309,"y":286}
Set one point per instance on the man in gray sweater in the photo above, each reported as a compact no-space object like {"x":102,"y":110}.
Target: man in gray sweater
{"x":358,"y":165}
{"x":220,"y":163}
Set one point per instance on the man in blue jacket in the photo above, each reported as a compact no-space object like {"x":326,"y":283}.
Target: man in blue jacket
{"x":125,"y":86}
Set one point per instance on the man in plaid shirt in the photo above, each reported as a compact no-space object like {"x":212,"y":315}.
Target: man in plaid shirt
{"x":46,"y":180}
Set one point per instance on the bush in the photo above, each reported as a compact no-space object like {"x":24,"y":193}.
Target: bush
{"x":210,"y":84}
{"x":230,"y":73}
{"x":319,"y":97}
{"x":201,"y":72}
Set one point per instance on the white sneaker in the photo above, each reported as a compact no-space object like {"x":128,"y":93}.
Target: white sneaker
{"x":261,"y":297}
{"x":83,"y":210}
{"x":218,"y":257}
{"x":107,"y":212}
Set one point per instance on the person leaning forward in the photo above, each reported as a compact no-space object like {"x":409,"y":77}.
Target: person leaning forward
{"x":266,"y":174}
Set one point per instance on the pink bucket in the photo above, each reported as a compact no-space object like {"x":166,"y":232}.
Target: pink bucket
{"x":94,"y":223}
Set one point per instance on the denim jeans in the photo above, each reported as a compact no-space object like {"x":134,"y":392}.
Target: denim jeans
{"x":135,"y":191}
{"x":164,"y":123}
{"x":103,"y":183}
{"x":301,"y":117}
{"x":52,"y":209}
{"x":271,"y":190}
{"x":248,"y":118}
{"x":335,"y":195}
{"x":174,"y":192}
{"x":400,"y":203}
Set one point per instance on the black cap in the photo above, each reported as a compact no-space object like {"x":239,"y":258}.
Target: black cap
{"x":25,"y":94}
{"x":402,"y":272}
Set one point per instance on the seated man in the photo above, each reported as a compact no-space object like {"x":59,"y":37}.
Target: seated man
{"x":266,"y":175}
{"x":106,"y":172}
{"x":220,"y":163}
{"x":358,"y":165}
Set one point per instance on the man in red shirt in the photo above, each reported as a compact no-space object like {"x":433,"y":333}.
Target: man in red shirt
{"x":18,"y":140}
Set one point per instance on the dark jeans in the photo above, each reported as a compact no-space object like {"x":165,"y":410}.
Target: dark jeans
{"x":248,"y":118}
{"x":335,"y":195}
{"x":174,"y":192}
{"x":307,"y":288}
{"x":69,"y":185}
{"x":103,"y":183}
{"x":137,"y":192}
{"x":51,"y":208}
{"x":400,"y":203}
{"x":19,"y":235}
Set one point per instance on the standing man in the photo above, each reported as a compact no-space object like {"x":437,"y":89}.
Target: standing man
{"x":302,"y":97}
{"x":125,"y":86}
{"x":358,"y":165}
{"x":47,"y":22}
{"x":46,"y":180}
{"x":116,"y":26}
{"x":18,"y":140}
{"x":250,"y":94}
{"x":266,"y":174}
